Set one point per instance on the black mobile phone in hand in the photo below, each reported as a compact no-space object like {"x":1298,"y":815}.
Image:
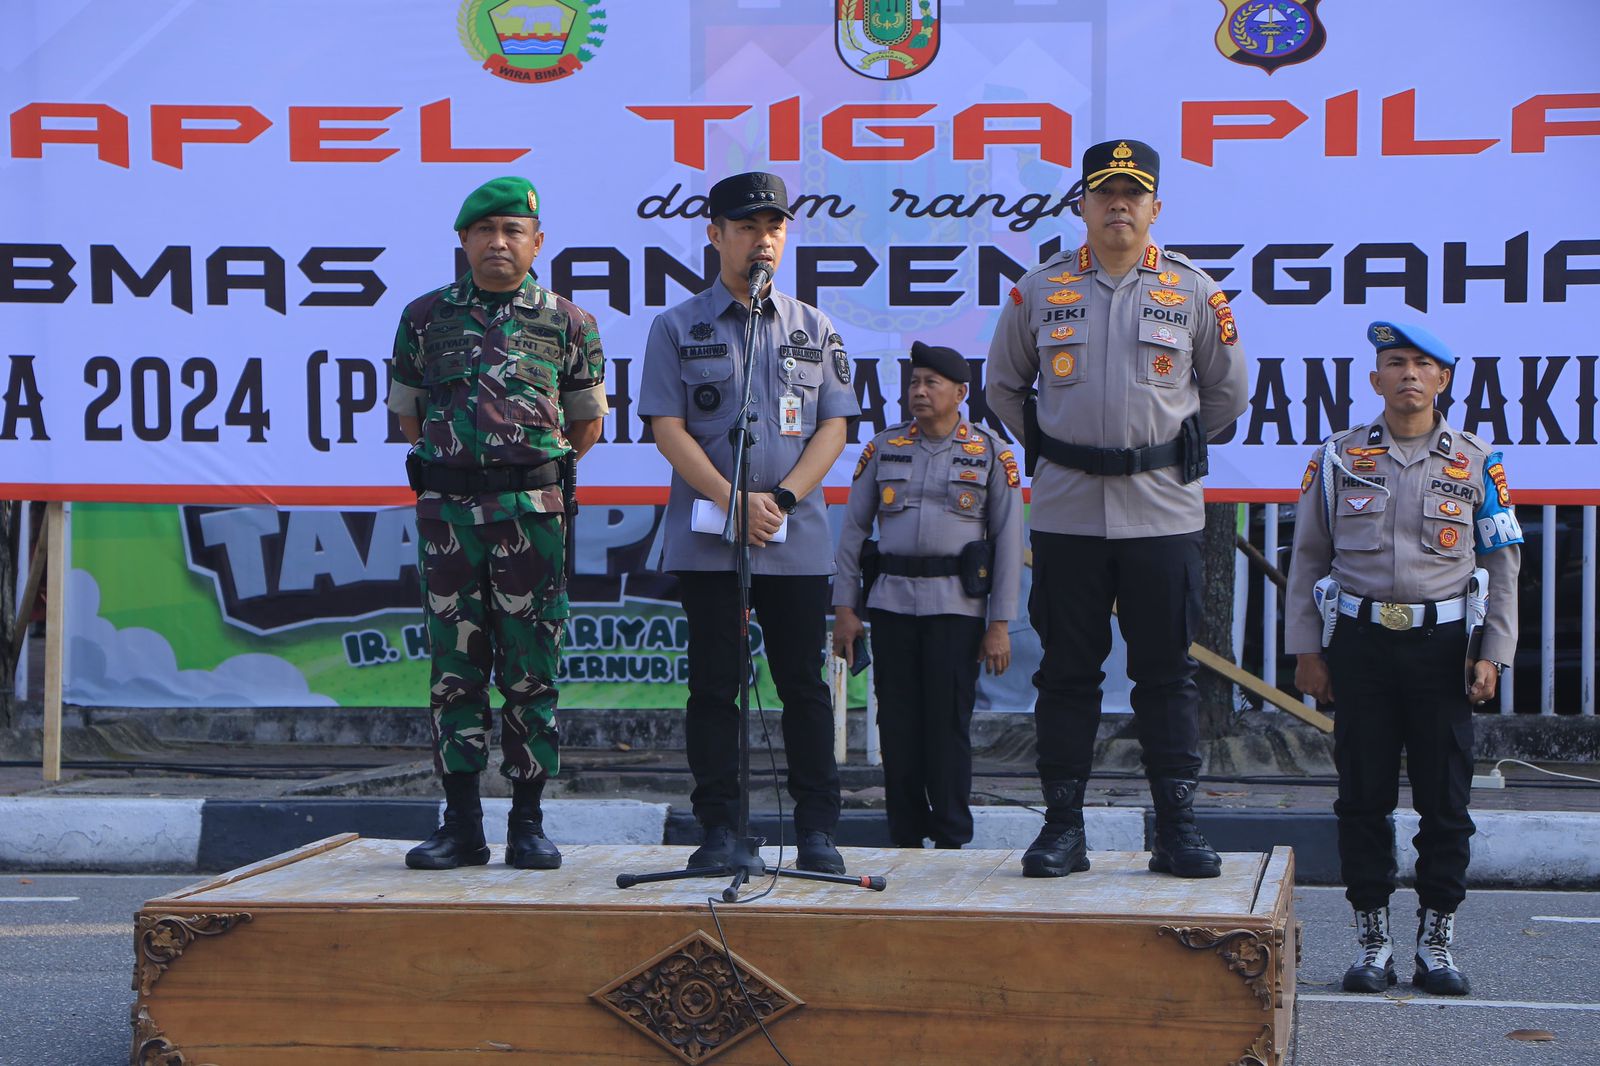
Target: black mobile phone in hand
{"x":860,"y":658}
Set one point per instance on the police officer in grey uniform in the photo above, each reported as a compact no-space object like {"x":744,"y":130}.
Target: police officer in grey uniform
{"x":802,"y":400}
{"x":1402,"y":611}
{"x":948,"y":505}
{"x":1137,"y":360}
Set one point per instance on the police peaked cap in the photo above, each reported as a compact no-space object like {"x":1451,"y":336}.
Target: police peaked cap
{"x":502,"y":196}
{"x":946,"y":362}
{"x":1109,"y":158}
{"x":745,"y":194}
{"x":1386,"y":335}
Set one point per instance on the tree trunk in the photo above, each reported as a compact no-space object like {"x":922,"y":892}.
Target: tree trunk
{"x":1216,"y":618}
{"x":10,"y":537}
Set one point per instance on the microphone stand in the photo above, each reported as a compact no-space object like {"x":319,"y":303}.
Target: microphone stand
{"x":745,"y":863}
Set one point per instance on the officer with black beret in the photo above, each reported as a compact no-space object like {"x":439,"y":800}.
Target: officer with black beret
{"x":1136,"y":359}
{"x":948,"y":562}
{"x":1402,"y":611}
{"x":800,"y":392}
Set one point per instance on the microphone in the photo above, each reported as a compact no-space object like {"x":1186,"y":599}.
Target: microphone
{"x":760,"y":277}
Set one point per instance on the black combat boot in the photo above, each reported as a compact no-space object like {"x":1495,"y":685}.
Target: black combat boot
{"x":459,"y":839}
{"x":1373,"y":970}
{"x":1060,"y":848}
{"x":816,"y":853}
{"x":1179,"y":848}
{"x":527,"y":848}
{"x":1436,"y":970}
{"x":716,"y":847}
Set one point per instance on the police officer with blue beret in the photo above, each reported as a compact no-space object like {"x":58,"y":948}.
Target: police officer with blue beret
{"x":693,"y":390}
{"x":1402,"y":611}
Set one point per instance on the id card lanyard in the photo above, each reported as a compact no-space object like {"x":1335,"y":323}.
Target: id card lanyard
{"x":791,"y":422}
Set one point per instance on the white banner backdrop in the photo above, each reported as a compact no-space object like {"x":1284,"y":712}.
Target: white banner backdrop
{"x":211,"y":213}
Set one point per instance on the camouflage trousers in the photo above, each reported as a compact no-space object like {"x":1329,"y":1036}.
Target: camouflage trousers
{"x":495,"y":598}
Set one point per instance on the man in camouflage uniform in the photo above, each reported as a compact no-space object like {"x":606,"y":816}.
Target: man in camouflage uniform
{"x":1136,"y":357}
{"x":948,"y":505}
{"x":499,"y":385}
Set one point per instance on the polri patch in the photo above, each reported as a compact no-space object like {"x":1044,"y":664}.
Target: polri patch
{"x":1009,"y":461}
{"x":861,"y":464}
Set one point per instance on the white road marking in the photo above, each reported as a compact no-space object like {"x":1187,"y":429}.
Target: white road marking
{"x":1570,"y":921}
{"x":1443,"y":1001}
{"x":38,"y":899}
{"x":58,"y":929}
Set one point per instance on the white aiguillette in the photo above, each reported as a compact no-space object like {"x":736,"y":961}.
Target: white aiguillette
{"x":708,"y":517}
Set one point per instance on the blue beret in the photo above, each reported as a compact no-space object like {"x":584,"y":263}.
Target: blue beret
{"x":1385,"y":335}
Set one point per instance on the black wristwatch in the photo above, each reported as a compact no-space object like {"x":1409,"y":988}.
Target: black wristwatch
{"x":786,"y":500}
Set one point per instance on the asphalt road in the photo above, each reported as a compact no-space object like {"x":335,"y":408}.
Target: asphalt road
{"x":66,"y":962}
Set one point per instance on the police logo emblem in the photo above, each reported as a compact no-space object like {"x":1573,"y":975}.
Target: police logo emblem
{"x":967,"y":501}
{"x":1270,"y":33}
{"x":1061,"y":333}
{"x":1310,"y":476}
{"x":1502,"y":487}
{"x":1167,"y":277}
{"x":707,"y":397}
{"x":1450,"y":507}
{"x":1168,"y":298}
{"x":1065,"y":296}
{"x":702,"y":331}
{"x":841,"y":365}
{"x":1165,"y":334}
{"x":1448,"y":537}
{"x":1063,"y":365}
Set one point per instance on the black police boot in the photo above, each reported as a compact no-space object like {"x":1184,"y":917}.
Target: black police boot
{"x":1060,"y":848}
{"x":1436,"y":970}
{"x":459,"y":839}
{"x":817,"y":853}
{"x":527,"y":848}
{"x":716,"y":845}
{"x":1179,"y":849}
{"x":1373,"y":970}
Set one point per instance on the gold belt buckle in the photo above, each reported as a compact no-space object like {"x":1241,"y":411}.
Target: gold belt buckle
{"x":1395,"y":615}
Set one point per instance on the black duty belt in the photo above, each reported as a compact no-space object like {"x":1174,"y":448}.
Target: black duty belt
{"x":919,"y":565}
{"x":458,"y":481}
{"x":1111,"y":462}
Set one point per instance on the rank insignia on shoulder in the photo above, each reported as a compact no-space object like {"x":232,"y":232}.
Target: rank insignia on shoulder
{"x":1310,"y":476}
{"x":1364,"y":466}
{"x":1450,"y":507}
{"x":1065,"y":278}
{"x":1461,"y":458}
{"x":861,"y":463}
{"x":1168,"y":298}
{"x":1016,"y":296}
{"x":1083,"y":258}
{"x":1061,"y":333}
{"x":962,"y":432}
{"x":1063,"y":365}
{"x":1152,"y":257}
{"x":1009,"y":461}
{"x":1459,"y":473}
{"x":702,"y":331}
{"x":1448,"y":537}
{"x":1167,"y":277}
{"x":972,"y":448}
{"x":966,"y":501}
{"x":799,"y":336}
{"x":901,"y":442}
{"x":1381,"y":450}
{"x":1375,"y":435}
{"x":1065,"y":296}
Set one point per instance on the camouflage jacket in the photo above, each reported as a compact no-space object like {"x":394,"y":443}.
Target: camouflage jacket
{"x":495,"y":383}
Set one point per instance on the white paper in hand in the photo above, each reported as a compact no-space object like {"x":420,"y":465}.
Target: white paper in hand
{"x":707,"y":517}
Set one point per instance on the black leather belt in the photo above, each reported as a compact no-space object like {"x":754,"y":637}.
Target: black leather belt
{"x":919,"y":565}
{"x":459,"y":481}
{"x":1111,"y":462}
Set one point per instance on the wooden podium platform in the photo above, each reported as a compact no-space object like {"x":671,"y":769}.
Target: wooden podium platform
{"x":337,"y":954}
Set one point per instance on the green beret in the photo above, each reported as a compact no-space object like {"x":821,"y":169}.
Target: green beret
{"x":502,"y":196}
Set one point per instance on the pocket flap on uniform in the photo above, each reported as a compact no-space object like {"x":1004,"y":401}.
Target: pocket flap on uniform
{"x":894,"y":466}
{"x":535,"y":373}
{"x":806,"y":374}
{"x":448,"y":365}
{"x":704,"y":369}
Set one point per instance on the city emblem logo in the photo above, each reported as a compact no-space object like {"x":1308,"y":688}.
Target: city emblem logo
{"x":1270,"y":33}
{"x":531,"y":41}
{"x":886,"y":40}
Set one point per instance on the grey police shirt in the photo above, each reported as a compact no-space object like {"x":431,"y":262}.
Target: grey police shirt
{"x":932,"y":497}
{"x":1120,"y":362}
{"x":1404,"y":528}
{"x":693,"y":371}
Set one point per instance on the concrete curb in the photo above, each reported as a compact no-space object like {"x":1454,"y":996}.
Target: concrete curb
{"x":1516,"y":849}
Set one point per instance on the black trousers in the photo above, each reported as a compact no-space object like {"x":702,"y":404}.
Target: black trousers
{"x":925,"y":672}
{"x":1155,"y":584}
{"x":1400,"y":692}
{"x":792,"y":612}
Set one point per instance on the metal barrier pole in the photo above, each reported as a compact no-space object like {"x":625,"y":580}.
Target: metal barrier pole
{"x":1269,"y":600}
{"x":1547,"y":610}
{"x":24,"y":561}
{"x":1586,"y":630}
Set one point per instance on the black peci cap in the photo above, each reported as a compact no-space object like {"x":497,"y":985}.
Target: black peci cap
{"x":946,"y":362}
{"x":745,"y":194}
